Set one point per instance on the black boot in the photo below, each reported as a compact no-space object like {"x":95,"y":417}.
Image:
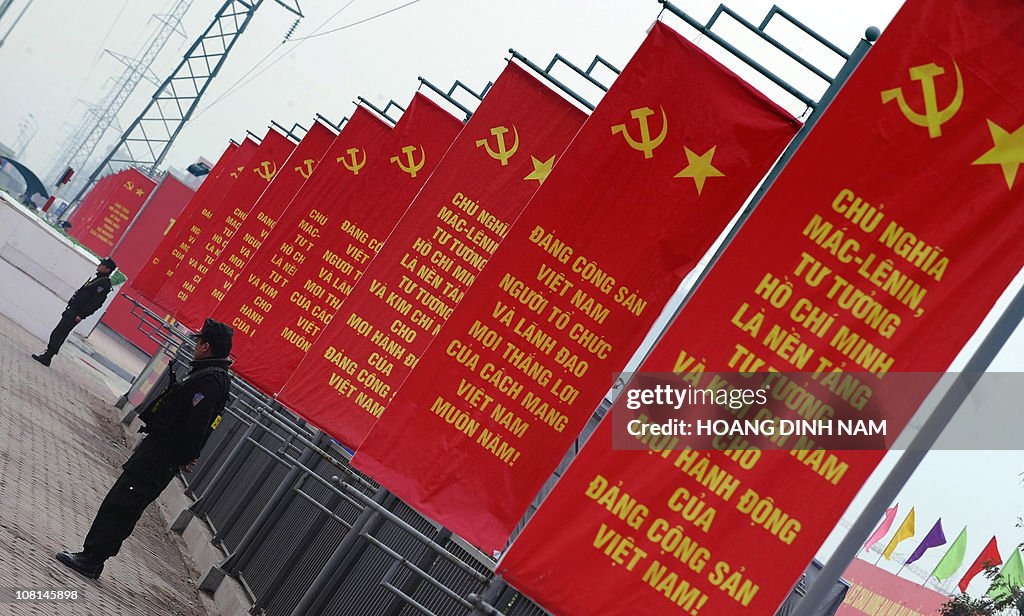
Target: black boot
{"x":44,"y":358}
{"x":81,"y":562}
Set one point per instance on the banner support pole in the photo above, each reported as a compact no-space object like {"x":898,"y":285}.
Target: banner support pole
{"x":916,"y":451}
{"x":484,"y":604}
{"x":290,"y":132}
{"x":327,"y":121}
{"x":382,"y":112}
{"x":448,"y":97}
{"x":870,"y":36}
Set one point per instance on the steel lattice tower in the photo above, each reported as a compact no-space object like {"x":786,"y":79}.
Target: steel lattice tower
{"x":147,"y":140}
{"x":81,"y":146}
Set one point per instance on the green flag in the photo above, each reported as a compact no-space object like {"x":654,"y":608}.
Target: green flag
{"x":1012,"y":576}
{"x":953,"y":558}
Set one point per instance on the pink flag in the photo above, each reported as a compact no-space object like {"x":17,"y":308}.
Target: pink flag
{"x":890,"y":515}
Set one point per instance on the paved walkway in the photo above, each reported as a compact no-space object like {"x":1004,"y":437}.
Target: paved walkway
{"x":61,"y":446}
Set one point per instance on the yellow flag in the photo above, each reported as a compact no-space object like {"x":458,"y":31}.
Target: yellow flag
{"x":905,"y":531}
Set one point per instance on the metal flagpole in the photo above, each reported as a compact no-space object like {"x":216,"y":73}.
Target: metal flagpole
{"x":901,"y":567}
{"x":916,"y":451}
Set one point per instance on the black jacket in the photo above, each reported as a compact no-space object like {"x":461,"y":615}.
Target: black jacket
{"x":184,"y":416}
{"x":90,"y":296}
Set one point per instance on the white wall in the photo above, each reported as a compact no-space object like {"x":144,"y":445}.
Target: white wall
{"x":39,"y":270}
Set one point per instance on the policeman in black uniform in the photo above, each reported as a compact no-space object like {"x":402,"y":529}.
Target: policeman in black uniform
{"x":178,"y":424}
{"x":83,"y":303}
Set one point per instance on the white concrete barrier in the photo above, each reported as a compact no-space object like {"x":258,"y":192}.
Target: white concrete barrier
{"x":39,"y":271}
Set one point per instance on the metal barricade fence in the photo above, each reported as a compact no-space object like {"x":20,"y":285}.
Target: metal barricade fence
{"x":231,"y":430}
{"x":310,"y":521}
{"x":282,"y":501}
{"x":245,"y":492}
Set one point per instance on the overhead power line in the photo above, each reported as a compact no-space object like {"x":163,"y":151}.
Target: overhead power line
{"x":354,"y":23}
{"x":242,"y":81}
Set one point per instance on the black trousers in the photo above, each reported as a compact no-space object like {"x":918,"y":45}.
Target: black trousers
{"x":146,"y":474}
{"x":61,"y":332}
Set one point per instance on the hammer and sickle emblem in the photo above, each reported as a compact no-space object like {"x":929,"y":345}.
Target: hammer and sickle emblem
{"x":413,"y":166}
{"x":503,"y":153}
{"x":645,"y":144}
{"x":933,"y":117}
{"x":306,"y":168}
{"x":130,"y":185}
{"x":267,"y":170}
{"x":235,"y":173}
{"x":356,"y":164}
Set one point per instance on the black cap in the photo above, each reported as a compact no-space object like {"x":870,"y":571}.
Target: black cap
{"x":219,"y":335}
{"x":108,"y":262}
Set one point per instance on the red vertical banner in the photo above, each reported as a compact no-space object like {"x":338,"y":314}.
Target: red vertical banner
{"x":352,"y":235}
{"x":87,"y":203}
{"x":854,"y":270}
{"x":649,"y":182}
{"x":168,"y":201}
{"x":256,"y":226}
{"x":200,"y":256}
{"x":95,"y":201}
{"x":262,"y":282}
{"x":169,"y":252}
{"x":432,"y":257}
{"x":127,"y":196}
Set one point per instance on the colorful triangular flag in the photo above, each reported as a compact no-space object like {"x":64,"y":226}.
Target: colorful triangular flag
{"x":953,"y":558}
{"x":883,"y":528}
{"x":933,"y":539}
{"x":989,"y":556}
{"x":1010,"y":578}
{"x":905,"y":531}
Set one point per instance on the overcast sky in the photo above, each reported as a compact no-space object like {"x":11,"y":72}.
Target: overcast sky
{"x":54,"y":60}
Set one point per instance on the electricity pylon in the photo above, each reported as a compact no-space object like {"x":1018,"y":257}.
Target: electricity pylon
{"x":147,"y":140}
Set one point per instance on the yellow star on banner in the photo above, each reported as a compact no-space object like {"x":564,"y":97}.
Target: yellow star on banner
{"x":1007,"y":151}
{"x":699,"y":167}
{"x":540,"y":169}
{"x":140,"y":192}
